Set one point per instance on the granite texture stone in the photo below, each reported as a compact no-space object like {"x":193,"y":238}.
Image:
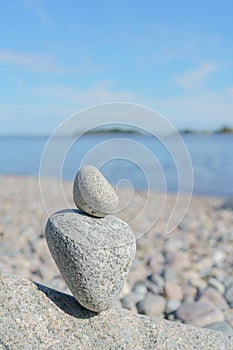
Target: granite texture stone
{"x":36,"y":317}
{"x":93,"y":194}
{"x":93,"y":255}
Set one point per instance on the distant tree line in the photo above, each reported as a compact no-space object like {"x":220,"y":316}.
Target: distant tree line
{"x":222,"y":130}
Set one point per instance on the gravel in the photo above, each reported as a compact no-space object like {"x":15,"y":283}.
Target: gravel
{"x":196,"y":257}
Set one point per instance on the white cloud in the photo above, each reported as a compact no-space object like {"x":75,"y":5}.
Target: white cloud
{"x":34,"y":62}
{"x":103,"y":91}
{"x":61,"y":102}
{"x":47,"y":63}
{"x":195,"y":77}
{"x":204,"y":111}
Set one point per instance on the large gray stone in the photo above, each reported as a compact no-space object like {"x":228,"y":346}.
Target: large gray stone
{"x":93,"y":255}
{"x":36,"y":317}
{"x":93,"y":194}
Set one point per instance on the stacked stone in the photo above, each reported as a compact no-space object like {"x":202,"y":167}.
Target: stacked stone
{"x":92,"y":249}
{"x":196,"y":258}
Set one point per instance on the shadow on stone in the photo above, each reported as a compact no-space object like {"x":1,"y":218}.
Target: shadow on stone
{"x":76,"y":211}
{"x":66,"y":303}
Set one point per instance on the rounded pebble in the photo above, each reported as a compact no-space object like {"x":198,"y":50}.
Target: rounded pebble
{"x":172,"y":305}
{"x":199,"y":313}
{"x":152,"y":305}
{"x":93,"y":194}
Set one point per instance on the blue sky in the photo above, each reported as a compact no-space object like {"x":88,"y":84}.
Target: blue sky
{"x":57,"y":57}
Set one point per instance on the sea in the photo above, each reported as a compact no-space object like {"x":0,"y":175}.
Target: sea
{"x":135,"y":160}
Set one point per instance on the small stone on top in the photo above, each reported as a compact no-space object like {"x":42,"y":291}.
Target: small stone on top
{"x":93,"y":194}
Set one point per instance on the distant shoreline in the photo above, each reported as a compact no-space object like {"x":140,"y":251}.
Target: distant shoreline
{"x":222,"y":130}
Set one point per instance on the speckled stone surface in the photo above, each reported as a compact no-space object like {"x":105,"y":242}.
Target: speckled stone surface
{"x":37,"y":317}
{"x":94,"y":255}
{"x":93,"y":194}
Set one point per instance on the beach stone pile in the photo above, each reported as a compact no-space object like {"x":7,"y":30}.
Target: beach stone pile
{"x":92,"y":249}
{"x":184,"y":277}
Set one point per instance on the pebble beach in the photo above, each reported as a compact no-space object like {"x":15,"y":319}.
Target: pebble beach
{"x":185,"y":276}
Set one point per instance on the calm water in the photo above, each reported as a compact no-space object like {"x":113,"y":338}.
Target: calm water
{"x":212,"y":159}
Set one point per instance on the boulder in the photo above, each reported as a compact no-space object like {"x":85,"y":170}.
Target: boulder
{"x":36,"y":317}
